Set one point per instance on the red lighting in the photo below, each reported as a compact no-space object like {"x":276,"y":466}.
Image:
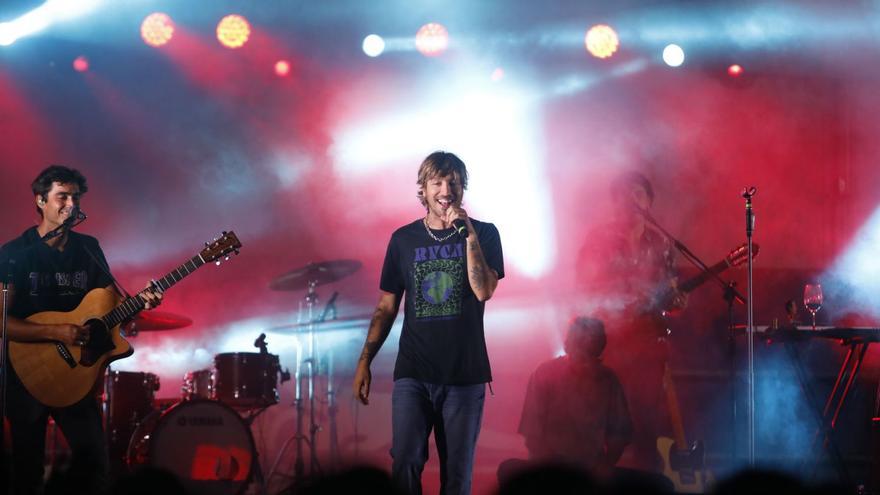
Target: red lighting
{"x":282,"y":68}
{"x":81,"y":64}
{"x":233,"y":31}
{"x":157,"y":29}
{"x":601,"y":41}
{"x":432,"y":39}
{"x":735,"y":70}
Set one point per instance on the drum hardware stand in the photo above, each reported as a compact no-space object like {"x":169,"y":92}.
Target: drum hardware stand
{"x":311,"y":299}
{"x":299,"y":436}
{"x":309,"y":277}
{"x":332,"y":409}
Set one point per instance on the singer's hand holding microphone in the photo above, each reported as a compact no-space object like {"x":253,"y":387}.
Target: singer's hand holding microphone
{"x":459,"y":220}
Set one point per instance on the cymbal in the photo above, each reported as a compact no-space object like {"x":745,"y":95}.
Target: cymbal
{"x":317,"y":273}
{"x":148,"y":321}
{"x":344,"y":323}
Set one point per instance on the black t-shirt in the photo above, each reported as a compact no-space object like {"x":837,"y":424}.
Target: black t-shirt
{"x":442,"y":341}
{"x":46,"y":279}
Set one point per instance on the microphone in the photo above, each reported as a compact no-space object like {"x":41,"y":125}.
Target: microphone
{"x":460,"y":227}
{"x":76,"y":215}
{"x":331,"y":306}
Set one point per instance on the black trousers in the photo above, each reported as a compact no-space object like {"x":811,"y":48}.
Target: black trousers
{"x":81,"y":425}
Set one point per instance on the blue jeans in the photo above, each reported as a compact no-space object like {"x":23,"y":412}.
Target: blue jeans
{"x":454,"y":413}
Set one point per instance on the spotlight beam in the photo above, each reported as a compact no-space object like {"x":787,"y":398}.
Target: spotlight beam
{"x":42,"y":17}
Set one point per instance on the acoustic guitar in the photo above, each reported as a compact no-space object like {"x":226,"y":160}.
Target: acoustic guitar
{"x":58,"y":375}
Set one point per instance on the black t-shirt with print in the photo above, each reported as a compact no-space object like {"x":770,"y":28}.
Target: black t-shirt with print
{"x":46,"y":279}
{"x":442,"y":341}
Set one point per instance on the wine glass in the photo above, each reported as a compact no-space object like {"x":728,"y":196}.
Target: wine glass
{"x":813,"y":299}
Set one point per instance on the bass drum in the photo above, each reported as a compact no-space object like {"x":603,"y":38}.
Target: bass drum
{"x":205,"y":443}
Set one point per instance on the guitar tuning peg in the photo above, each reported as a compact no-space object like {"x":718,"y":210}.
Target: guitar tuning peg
{"x":206,"y":244}
{"x":217,"y":262}
{"x":224,"y":232}
{"x":236,"y":251}
{"x":227,"y":258}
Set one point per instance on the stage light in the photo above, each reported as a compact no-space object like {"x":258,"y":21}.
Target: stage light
{"x":282,"y":68}
{"x":157,"y":29}
{"x":497,"y":74}
{"x":673,"y":55}
{"x":601,"y":41}
{"x":735,"y":70}
{"x":432,"y":39}
{"x":81,"y":64}
{"x":233,"y":31}
{"x":373,"y":45}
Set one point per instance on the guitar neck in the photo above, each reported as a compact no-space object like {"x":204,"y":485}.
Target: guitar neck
{"x":674,"y":411}
{"x":133,"y":305}
{"x":693,"y":283}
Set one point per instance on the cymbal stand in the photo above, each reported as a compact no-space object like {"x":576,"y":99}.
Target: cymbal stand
{"x":299,"y":465}
{"x":332,"y":409}
{"x":311,"y":300}
{"x":299,"y":436}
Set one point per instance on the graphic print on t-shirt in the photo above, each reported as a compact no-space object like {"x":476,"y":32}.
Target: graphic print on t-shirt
{"x":439,"y":275}
{"x":63,"y":283}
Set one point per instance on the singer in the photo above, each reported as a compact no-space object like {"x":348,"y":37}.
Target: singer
{"x":442,"y":365}
{"x":54,"y":274}
{"x":622,"y":267}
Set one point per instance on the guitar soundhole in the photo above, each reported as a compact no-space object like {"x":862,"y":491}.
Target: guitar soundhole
{"x":100,"y":342}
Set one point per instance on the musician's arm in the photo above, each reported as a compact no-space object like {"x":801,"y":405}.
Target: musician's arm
{"x":20,"y":330}
{"x":380,"y":327}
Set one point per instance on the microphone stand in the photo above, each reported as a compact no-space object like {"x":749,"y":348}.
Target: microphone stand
{"x":4,"y":373}
{"x":730,"y":295}
{"x":747,"y":194}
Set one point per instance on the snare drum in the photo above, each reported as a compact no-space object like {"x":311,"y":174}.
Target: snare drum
{"x":246,"y":380}
{"x":204,"y":443}
{"x":198,"y":385}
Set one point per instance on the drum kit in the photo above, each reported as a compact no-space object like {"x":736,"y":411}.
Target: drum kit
{"x":204,"y":437}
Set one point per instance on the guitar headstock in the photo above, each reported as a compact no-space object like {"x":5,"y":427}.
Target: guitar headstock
{"x":741,"y":254}
{"x":222,"y":246}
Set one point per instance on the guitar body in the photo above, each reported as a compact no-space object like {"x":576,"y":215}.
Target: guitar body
{"x":684,"y":467}
{"x":58,"y":375}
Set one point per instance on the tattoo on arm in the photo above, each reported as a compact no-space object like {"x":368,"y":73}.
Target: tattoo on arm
{"x":477,"y":272}
{"x":477,"y":276}
{"x":379,"y":328}
{"x":371,"y":348}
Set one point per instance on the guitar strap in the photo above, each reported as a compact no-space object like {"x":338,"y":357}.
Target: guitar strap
{"x":106,"y":269}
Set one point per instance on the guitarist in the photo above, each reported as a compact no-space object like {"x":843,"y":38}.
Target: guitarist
{"x":620,"y":269}
{"x":54,"y":275}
